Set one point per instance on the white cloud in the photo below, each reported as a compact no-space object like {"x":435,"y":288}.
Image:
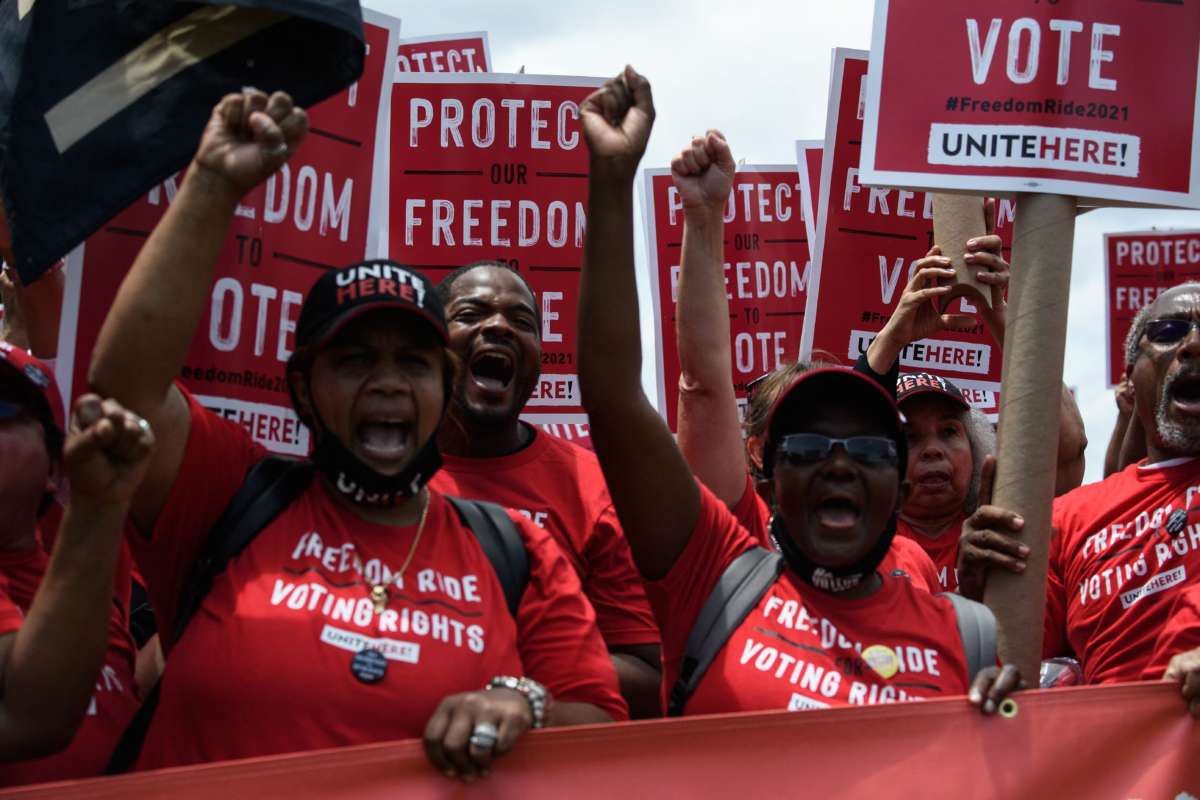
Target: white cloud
{"x":760,"y":72}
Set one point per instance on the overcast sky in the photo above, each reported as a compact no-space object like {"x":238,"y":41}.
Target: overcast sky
{"x":760,"y":72}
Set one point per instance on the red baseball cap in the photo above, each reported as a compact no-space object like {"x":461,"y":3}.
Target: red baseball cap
{"x":35,"y":382}
{"x":827,"y":385}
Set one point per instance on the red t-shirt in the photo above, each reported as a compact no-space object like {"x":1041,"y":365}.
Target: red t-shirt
{"x":1116,"y":571}
{"x":904,"y":559}
{"x":803,"y":648}
{"x":1181,"y":633}
{"x":115,"y":700}
{"x":942,"y":551}
{"x":265,"y":666}
{"x":560,"y":488}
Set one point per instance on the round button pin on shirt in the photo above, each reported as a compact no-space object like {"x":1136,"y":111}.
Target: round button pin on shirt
{"x":369,"y":665}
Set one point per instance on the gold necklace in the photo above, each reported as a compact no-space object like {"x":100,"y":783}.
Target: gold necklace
{"x":379,"y":591}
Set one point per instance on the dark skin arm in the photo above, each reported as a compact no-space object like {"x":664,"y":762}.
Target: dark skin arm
{"x":639,"y":673}
{"x":448,"y":732}
{"x":146,"y":335}
{"x":49,"y":666}
{"x":990,"y":540}
{"x":652,"y":488}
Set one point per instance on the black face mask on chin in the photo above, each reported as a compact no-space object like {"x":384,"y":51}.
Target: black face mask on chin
{"x":831,"y":579}
{"x":359,"y":482}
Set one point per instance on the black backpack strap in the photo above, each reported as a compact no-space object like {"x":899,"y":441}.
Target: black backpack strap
{"x":977,"y":628}
{"x":501,"y":543}
{"x":741,"y":586}
{"x":270,"y":486}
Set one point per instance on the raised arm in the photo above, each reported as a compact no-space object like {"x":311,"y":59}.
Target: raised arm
{"x":49,"y":665}
{"x":652,"y":488}
{"x":146,"y":335}
{"x":710,"y":436}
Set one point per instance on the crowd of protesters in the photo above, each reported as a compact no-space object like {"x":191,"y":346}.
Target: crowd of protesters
{"x":365,"y":594}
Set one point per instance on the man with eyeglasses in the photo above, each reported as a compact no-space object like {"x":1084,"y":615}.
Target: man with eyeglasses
{"x":1125,"y":548}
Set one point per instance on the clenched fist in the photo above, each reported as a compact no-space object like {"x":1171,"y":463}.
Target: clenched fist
{"x":617,"y":119}
{"x":106,"y":451}
{"x":249,"y":136}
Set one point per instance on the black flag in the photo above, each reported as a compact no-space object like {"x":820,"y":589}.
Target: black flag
{"x":101,"y":99}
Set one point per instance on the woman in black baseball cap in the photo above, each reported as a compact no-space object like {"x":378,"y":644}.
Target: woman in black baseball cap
{"x":365,"y":609}
{"x":824,"y":627}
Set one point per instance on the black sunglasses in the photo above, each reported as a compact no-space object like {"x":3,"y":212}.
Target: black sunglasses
{"x":1170,"y":331}
{"x":797,"y":449}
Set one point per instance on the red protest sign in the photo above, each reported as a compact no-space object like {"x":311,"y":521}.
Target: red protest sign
{"x":870,"y":239}
{"x":495,"y":167}
{"x":808,"y":161}
{"x":447,"y":52}
{"x":1097,"y":99}
{"x":766,"y":273}
{"x":315,"y":213}
{"x":1139,"y":266}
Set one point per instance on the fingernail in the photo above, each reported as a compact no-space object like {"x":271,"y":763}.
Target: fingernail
{"x":989,"y":707}
{"x":972,"y":242}
{"x":1018,"y":520}
{"x":975,"y":697}
{"x":1020,"y":566}
{"x":1023,"y":550}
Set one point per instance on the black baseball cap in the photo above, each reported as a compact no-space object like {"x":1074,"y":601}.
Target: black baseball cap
{"x":341,"y":295}
{"x":927,"y":383}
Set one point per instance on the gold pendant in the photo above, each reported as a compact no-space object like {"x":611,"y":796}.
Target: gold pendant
{"x":379,"y":596}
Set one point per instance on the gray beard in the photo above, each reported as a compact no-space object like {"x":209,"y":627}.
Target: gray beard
{"x":1178,"y":439}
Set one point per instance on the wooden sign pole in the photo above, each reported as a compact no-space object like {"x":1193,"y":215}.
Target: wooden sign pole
{"x":1034,"y":341}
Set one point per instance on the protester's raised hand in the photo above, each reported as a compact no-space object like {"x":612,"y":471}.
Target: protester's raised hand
{"x":617,"y":119}
{"x":985,"y":254}
{"x":106,"y":452}
{"x":249,"y":136}
{"x":992,"y":686}
{"x":1125,"y":396}
{"x":449,"y":732}
{"x":989,"y":539}
{"x":1184,"y":669}
{"x":703,"y":172}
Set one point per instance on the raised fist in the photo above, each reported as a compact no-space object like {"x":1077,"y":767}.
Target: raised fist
{"x":106,"y":452}
{"x":249,"y":136}
{"x":703,"y":173}
{"x":617,"y":119}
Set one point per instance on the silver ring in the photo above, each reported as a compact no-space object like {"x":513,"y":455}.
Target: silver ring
{"x":484,"y":736}
{"x":143,"y":424}
{"x":280,"y":149}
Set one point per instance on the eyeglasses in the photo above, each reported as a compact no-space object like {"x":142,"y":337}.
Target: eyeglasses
{"x":807,"y":448}
{"x":1170,"y":331}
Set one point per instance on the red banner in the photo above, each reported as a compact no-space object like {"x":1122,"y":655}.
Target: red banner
{"x":766,"y":273}
{"x":870,"y":240}
{"x":1095,"y":99}
{"x":1138,"y":268}
{"x":319,"y":211}
{"x":1131,"y":741}
{"x":447,"y":52}
{"x":495,"y":167}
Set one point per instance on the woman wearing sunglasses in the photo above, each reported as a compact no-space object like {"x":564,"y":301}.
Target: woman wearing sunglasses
{"x":724,"y":455}
{"x":831,"y":630}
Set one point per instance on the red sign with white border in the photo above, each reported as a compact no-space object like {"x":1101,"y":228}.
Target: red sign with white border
{"x":766,"y":273}
{"x":447,"y":52}
{"x":319,"y":211}
{"x":808,"y":161}
{"x":1139,"y":266}
{"x":870,"y":240}
{"x":490,"y":166}
{"x":1094,"y":99}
